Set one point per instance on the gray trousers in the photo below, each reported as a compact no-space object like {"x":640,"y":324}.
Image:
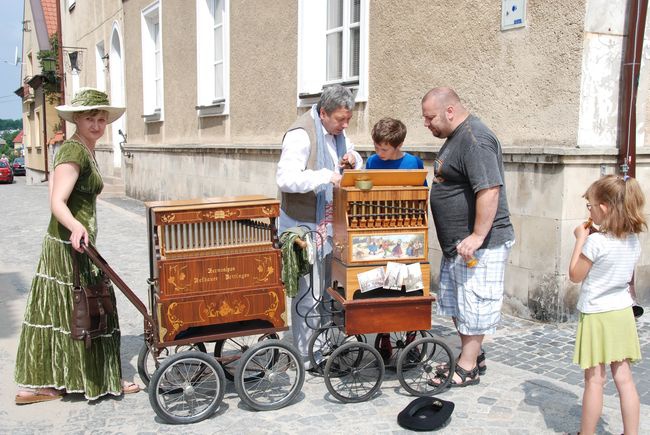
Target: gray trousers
{"x":307,"y":314}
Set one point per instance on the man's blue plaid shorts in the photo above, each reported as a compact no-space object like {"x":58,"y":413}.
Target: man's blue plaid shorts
{"x":474,"y":295}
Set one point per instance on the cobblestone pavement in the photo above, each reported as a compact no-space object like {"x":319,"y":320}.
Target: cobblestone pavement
{"x":530,"y":387}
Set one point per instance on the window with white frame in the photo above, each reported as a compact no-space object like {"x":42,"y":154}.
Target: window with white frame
{"x":212,"y":18}
{"x":30,"y":65}
{"x":39,"y":133}
{"x":332,"y":46}
{"x":152,"y":74}
{"x":100,"y":75}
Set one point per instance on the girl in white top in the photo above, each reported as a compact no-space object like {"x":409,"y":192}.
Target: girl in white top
{"x":604,"y":261}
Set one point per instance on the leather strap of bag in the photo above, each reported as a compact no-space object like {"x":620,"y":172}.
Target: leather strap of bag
{"x":75,"y":268}
{"x":99,"y":261}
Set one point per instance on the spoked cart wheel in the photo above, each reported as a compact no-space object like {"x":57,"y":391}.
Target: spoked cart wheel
{"x":147,"y":364}
{"x":424,"y":360}
{"x":187,"y":387}
{"x":391,"y":344}
{"x":230,"y":351}
{"x":325,"y":341}
{"x":354,"y":372}
{"x":269,"y":375}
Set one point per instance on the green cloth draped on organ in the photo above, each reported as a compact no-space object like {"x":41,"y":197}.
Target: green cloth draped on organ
{"x":295,"y":262}
{"x":47,"y":356}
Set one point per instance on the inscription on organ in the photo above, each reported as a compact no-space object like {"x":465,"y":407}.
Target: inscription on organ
{"x":215,"y":261}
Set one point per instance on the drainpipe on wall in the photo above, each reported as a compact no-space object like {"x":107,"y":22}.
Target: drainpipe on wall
{"x":631,"y":68}
{"x":47,"y":169}
{"x":59,"y":37}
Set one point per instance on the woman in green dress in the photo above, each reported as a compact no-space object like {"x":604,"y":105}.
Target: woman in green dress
{"x":49,"y":362}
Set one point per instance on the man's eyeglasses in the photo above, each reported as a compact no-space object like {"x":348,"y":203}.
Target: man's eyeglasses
{"x":437,"y":169}
{"x":437,"y":165}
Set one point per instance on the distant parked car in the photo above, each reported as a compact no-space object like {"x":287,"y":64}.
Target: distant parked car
{"x":18,"y":166}
{"x":6,"y":175}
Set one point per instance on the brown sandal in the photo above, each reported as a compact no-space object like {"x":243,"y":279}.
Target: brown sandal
{"x":25,"y":397}
{"x":480,"y":362}
{"x":130,"y":387}
{"x":464,"y":375}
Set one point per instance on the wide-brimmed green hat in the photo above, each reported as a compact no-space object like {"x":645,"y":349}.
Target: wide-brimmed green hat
{"x":89,"y":99}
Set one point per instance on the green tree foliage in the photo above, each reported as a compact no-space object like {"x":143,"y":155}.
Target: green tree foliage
{"x":52,"y":84}
{"x":11,"y":124}
{"x":9,"y":136}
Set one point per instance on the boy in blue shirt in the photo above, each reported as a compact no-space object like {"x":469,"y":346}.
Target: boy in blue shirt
{"x":388,"y":136}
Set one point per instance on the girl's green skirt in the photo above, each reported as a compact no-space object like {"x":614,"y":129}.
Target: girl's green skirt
{"x":603,"y":338}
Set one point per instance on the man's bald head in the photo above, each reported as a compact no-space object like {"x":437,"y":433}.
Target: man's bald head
{"x":443,"y":95}
{"x":442,"y":111}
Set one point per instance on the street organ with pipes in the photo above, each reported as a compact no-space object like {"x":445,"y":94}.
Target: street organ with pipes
{"x":215,"y":261}
{"x":381,"y":220}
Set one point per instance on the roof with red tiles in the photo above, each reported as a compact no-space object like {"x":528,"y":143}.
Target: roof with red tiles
{"x":19,"y":137}
{"x":57,"y":138}
{"x":50,"y":11}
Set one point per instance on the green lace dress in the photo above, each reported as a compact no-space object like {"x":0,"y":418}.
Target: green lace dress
{"x":47,"y":356}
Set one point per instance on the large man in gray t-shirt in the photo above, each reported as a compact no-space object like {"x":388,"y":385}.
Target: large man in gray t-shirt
{"x":470,"y":212}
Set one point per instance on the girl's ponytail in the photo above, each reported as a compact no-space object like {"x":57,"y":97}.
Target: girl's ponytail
{"x":633,"y":203}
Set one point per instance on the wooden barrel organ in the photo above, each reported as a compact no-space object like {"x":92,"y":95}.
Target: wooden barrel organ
{"x":381,"y":216}
{"x":215,"y":268}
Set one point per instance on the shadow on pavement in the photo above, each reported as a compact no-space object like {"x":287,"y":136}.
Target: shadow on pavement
{"x":129,"y":348}
{"x":14,"y":288}
{"x":560,"y":408}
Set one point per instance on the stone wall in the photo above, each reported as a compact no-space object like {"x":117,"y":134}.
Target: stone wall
{"x":545,"y":188}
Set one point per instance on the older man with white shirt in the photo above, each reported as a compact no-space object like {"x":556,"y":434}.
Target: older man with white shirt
{"x":315,"y":151}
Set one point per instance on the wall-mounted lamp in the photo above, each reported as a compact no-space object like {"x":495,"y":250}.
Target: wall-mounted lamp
{"x":26,"y":26}
{"x":49,"y":64}
{"x":125,"y":153}
{"x":105,"y":59}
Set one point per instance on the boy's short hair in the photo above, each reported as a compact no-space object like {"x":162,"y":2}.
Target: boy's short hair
{"x":389,"y":130}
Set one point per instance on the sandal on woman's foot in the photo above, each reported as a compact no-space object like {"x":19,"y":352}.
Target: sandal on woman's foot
{"x":130,"y":387}
{"x":25,"y":397}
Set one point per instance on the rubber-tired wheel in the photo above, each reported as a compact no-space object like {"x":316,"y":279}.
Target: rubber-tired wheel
{"x":187,"y":387}
{"x":229,"y":352}
{"x":147,"y":364}
{"x":391,"y":344}
{"x":419,"y":367}
{"x":354,"y":372}
{"x":270,"y":375}
{"x":325,"y":341}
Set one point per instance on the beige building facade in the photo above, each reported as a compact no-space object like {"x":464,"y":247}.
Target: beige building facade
{"x":38,"y":114}
{"x":211,"y":86}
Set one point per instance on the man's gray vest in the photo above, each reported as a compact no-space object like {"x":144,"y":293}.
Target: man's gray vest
{"x":302,"y":206}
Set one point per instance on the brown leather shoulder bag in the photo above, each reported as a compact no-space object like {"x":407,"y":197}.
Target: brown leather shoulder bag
{"x":91,"y":305}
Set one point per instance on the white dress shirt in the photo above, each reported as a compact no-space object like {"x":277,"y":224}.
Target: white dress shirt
{"x":291,"y":175}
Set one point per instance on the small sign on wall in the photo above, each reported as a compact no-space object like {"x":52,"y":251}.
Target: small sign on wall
{"x":513,"y":14}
